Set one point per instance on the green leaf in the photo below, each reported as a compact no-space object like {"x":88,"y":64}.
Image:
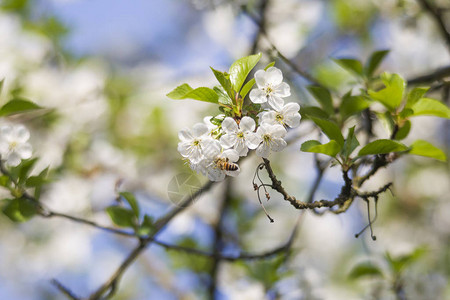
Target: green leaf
{"x":312,"y":111}
{"x":403,"y":131}
{"x":331,"y":129}
{"x":4,"y":180}
{"x":129,"y":197}
{"x":352,"y":105}
{"x":247,"y":87}
{"x":2,"y":82}
{"x":223,"y":96}
{"x":269,"y":65}
{"x":184,"y":91}
{"x":391,"y":96}
{"x":331,"y":148}
{"x":21,"y":171}
{"x":240,"y":69}
{"x":374,"y":61}
{"x":20,"y":210}
{"x":365,"y":270}
{"x":414,"y":95}
{"x":424,"y":148}
{"x":430,"y":107}
{"x":382,"y":146}
{"x":398,"y":263}
{"x":224,"y":80}
{"x":350,"y":143}
{"x":17,"y":106}
{"x":147,"y":226}
{"x":323,"y":96}
{"x":121,"y":216}
{"x":352,"y":65}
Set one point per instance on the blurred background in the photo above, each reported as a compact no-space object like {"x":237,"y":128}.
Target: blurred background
{"x":104,"y":68}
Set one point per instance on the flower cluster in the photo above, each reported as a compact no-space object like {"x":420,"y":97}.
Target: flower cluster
{"x":14,"y":144}
{"x":213,"y":148}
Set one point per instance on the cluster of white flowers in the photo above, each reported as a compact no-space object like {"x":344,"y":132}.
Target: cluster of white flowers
{"x":14,"y":144}
{"x":214,"y":150}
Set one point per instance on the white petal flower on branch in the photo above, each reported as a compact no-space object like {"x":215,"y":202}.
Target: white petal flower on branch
{"x":196,"y":144}
{"x":239,"y":137}
{"x":271,"y":137}
{"x":271,"y":88}
{"x":288,"y":115}
{"x":14,"y":144}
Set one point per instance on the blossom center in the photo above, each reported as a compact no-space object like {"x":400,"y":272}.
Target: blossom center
{"x":268,"y":90}
{"x":279,"y":117}
{"x":267,"y":138}
{"x":240,"y":135}
{"x":13,"y":145}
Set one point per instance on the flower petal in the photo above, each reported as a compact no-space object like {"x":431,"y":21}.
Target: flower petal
{"x":199,"y":129}
{"x":275,"y":102}
{"x":211,"y":147}
{"x":228,"y":140}
{"x":247,"y":124}
{"x":6,"y":133}
{"x":290,"y":108}
{"x":24,"y":150}
{"x":184,"y":148}
{"x":260,"y":78}
{"x":258,"y":96}
{"x":269,"y":117}
{"x":263,"y":150}
{"x":274,"y":76}
{"x":215,"y":174}
{"x":231,"y":154}
{"x":293,"y":120}
{"x":282,"y":90}
{"x":13,"y":160}
{"x":252,"y":140}
{"x":22,"y":134}
{"x":185,"y":135}
{"x":277,"y":131}
{"x":277,"y":144}
{"x":229,"y":125}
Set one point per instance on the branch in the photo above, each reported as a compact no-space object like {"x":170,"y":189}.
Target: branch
{"x":64,"y":290}
{"x":436,"y":75}
{"x":439,"y":18}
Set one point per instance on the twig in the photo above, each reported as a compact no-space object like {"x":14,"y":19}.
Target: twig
{"x":64,"y":290}
{"x":436,"y":75}
{"x":439,"y":18}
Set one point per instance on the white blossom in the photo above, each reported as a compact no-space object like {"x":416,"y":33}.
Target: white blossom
{"x":211,"y":127}
{"x":271,"y":88}
{"x":196,"y":144}
{"x":239,"y":137}
{"x":14,"y":144}
{"x":270,"y":138}
{"x":288,"y":115}
{"x":223,"y":163}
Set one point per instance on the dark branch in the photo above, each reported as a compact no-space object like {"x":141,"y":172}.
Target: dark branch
{"x":436,"y":75}
{"x":64,"y":290}
{"x":439,"y":18}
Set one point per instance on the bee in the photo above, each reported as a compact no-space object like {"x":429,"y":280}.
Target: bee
{"x":225,"y":165}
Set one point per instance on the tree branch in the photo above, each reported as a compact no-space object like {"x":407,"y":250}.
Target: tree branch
{"x":436,"y":75}
{"x":439,"y":18}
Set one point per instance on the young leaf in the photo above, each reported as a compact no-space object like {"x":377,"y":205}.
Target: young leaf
{"x":4,"y":180}
{"x":121,"y":216}
{"x":240,"y":69}
{"x":223,"y":96}
{"x":323,"y":96}
{"x":147,"y":226}
{"x":224,"y":81}
{"x":375,"y":59}
{"x":247,"y":87}
{"x":20,"y":210}
{"x":423,"y":148}
{"x":331,"y":129}
{"x":129,"y":197}
{"x":431,"y":107}
{"x":331,"y":148}
{"x":352,"y":105}
{"x":184,"y":91}
{"x":391,"y":96}
{"x":312,"y":111}
{"x":2,"y":82}
{"x":269,"y":65}
{"x":17,"y":106}
{"x":365,"y":269}
{"x":398,"y":263}
{"x":350,"y":143}
{"x":350,"y":64}
{"x":414,"y":95}
{"x":403,"y":131}
{"x":382,"y":146}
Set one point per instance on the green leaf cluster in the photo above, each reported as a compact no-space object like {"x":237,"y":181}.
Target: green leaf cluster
{"x":130,"y":216}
